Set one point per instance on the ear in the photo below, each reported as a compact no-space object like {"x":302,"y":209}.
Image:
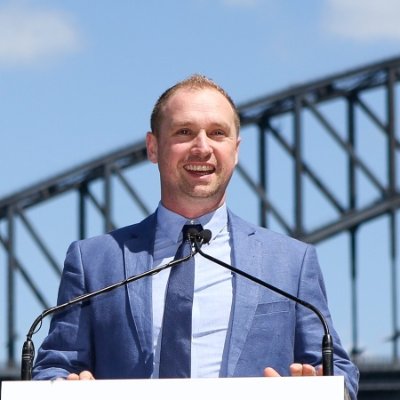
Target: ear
{"x":152,"y":146}
{"x":239,"y":139}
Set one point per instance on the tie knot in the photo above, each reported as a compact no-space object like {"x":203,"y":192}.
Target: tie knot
{"x":187,"y":228}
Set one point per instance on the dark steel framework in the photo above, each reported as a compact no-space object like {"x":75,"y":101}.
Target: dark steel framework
{"x":365,"y":93}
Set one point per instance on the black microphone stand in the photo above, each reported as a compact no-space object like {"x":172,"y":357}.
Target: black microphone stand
{"x":28,"y":350}
{"x":327,"y":342}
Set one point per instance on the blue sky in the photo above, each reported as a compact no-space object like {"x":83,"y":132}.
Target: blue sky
{"x":79,"y":79}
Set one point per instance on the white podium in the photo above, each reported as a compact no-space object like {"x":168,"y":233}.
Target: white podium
{"x":302,"y":388}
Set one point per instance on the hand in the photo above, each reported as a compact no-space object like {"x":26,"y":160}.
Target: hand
{"x":296,"y":370}
{"x":83,"y":376}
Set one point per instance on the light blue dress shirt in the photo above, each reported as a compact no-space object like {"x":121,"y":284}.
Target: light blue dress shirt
{"x":212,"y":299}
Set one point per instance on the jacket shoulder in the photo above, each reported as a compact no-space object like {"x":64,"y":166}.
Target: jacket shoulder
{"x":264,"y":234}
{"x":121,"y":235}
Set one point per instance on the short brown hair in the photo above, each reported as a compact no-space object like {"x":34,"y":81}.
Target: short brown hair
{"x":195,"y":81}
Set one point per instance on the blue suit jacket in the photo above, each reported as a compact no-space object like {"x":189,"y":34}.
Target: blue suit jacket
{"x":111,"y":335}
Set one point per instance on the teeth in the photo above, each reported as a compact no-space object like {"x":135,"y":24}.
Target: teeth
{"x":200,"y":168}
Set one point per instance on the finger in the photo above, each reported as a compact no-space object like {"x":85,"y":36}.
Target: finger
{"x":73,"y":377}
{"x":86,"y":376}
{"x":270,"y":373}
{"x":309,"y":370}
{"x":296,"y":369}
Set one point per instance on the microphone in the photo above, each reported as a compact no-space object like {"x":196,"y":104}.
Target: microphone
{"x":201,"y":237}
{"x":28,"y":349}
{"x":327,"y":341}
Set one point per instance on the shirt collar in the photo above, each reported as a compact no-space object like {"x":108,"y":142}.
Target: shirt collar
{"x":171,"y":223}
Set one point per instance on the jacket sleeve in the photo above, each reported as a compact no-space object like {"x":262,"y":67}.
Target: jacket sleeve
{"x":66,"y":349}
{"x":309,"y":330}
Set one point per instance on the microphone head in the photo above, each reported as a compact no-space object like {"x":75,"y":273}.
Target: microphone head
{"x":192,"y":233}
{"x":206,"y":235}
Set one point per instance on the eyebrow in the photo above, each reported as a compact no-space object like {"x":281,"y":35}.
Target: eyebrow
{"x":184,"y":123}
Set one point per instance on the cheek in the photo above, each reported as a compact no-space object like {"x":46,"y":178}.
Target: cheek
{"x":167,"y":161}
{"x":174,"y":153}
{"x":170,"y":156}
{"x":228,"y":156}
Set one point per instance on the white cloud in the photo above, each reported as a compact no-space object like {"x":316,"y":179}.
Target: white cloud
{"x":363,"y":19}
{"x":29,"y":35}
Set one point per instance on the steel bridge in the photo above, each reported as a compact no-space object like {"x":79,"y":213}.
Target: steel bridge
{"x":322,"y":160}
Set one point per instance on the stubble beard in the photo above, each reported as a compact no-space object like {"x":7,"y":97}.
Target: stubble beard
{"x":213,"y":190}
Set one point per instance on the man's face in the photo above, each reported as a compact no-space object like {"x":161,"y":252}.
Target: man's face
{"x":196,"y":149}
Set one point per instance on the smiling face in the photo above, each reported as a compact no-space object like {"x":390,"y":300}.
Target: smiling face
{"x":196,"y":149}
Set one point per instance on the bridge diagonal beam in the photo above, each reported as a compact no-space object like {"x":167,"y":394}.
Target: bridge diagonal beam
{"x":39,"y":241}
{"x":263,"y":197}
{"x":345,"y":146}
{"x":308,"y":170}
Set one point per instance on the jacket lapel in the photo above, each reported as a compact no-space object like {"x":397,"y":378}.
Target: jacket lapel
{"x":247,"y":257}
{"x":138,"y":253}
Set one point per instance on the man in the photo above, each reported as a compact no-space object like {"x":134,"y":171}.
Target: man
{"x":238,"y":328}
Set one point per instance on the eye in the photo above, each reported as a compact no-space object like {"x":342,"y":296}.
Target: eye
{"x":183,"y":132}
{"x":218,"y":133}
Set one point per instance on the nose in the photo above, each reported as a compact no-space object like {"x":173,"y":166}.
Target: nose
{"x":201,"y":144}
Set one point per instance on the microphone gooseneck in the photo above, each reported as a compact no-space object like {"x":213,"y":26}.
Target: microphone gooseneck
{"x":327,"y":342}
{"x":28,"y":349}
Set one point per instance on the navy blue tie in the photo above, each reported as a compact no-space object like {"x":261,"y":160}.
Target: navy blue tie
{"x":177,"y":321}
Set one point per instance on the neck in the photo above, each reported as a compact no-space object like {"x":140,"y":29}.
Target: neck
{"x":192,"y":210}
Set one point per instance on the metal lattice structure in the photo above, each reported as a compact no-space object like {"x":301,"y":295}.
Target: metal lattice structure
{"x":342,"y":109}
{"x":349,"y":88}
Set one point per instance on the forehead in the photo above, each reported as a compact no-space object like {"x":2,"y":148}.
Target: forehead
{"x":198,"y":103}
